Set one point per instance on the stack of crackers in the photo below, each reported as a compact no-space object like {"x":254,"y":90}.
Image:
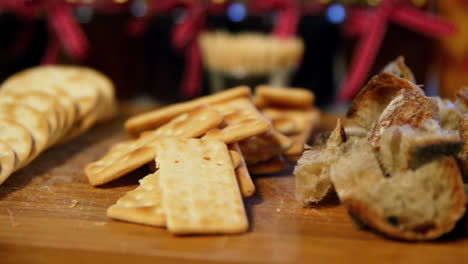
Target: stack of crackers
{"x":249,"y":53}
{"x":46,"y":105}
{"x":203,"y":151}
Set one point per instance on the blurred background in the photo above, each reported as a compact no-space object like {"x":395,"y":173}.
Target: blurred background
{"x":155,"y":49}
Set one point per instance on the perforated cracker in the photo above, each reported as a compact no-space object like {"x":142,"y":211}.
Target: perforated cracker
{"x":301,"y":139}
{"x":283,"y":97}
{"x":241,"y":120}
{"x":264,"y":147}
{"x":7,"y":161}
{"x":246,"y":185}
{"x":200,"y":190}
{"x":142,"y":205}
{"x":156,"y":118}
{"x":132,"y":154}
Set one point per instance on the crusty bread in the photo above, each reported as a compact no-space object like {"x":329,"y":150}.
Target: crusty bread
{"x":463,"y":154}
{"x":405,"y":147}
{"x":449,"y":113}
{"x":373,"y":98}
{"x":414,"y":205}
{"x":356,"y":168}
{"x":312,"y":169}
{"x":399,"y":68}
{"x":407,"y":108}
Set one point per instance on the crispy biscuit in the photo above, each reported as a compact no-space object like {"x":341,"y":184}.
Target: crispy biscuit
{"x":399,"y":68}
{"x":284,"y":97}
{"x":7,"y":161}
{"x":273,"y":165}
{"x":246,"y":185}
{"x":264,"y":147}
{"x":142,"y":205}
{"x":18,"y":138}
{"x":32,"y":120}
{"x":41,"y":102}
{"x":241,"y":120}
{"x":200,"y":191}
{"x":301,"y":139}
{"x":288,"y":121}
{"x":158,"y":117}
{"x":134,"y":153}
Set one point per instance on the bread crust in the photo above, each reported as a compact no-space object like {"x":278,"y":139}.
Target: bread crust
{"x":364,"y":213}
{"x":407,"y":108}
{"x":374,"y":97}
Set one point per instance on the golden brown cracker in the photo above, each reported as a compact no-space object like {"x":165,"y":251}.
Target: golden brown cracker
{"x":142,"y":205}
{"x":158,"y":117}
{"x":200,"y":190}
{"x":264,"y":147}
{"x":129,"y":156}
{"x":7,"y":161}
{"x":267,"y":167}
{"x":284,"y":97}
{"x":246,"y":185}
{"x":18,"y":138}
{"x":241,"y":120}
{"x":301,"y":139}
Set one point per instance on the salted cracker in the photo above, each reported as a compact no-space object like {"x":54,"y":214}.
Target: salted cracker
{"x":7,"y":161}
{"x":142,"y":205}
{"x":129,"y":155}
{"x":241,"y":120}
{"x":246,"y":185}
{"x":18,"y":138}
{"x":154,"y":119}
{"x":264,"y":147}
{"x":300,"y":140}
{"x":200,"y":190}
{"x":283,"y":97}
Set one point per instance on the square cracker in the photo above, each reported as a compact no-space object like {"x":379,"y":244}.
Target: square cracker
{"x":132,"y":154}
{"x":241,"y":120}
{"x":264,"y":147}
{"x":156,"y":118}
{"x":246,"y":185}
{"x":142,"y":205}
{"x":301,"y":139}
{"x":266,"y":95}
{"x":273,"y":165}
{"x":200,"y":191}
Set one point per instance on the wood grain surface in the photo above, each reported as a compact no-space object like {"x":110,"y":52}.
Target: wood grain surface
{"x":50,"y":214}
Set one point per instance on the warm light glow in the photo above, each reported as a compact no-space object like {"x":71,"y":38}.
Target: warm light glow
{"x":218,"y":1}
{"x":120,"y":1}
{"x":373,"y":2}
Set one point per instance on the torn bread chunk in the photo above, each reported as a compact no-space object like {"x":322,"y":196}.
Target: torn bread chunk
{"x":399,"y":68}
{"x":356,"y":168}
{"x":413,"y":205}
{"x":449,"y":113}
{"x":312,"y":171}
{"x":373,"y":98}
{"x":407,"y":108}
{"x":406,"y":147}
{"x":463,"y":154}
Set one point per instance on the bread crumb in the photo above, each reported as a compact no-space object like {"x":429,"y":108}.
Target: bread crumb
{"x":73,"y":204}
{"x":278,"y":210}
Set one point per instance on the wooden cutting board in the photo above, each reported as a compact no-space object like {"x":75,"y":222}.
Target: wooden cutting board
{"x":50,"y":214}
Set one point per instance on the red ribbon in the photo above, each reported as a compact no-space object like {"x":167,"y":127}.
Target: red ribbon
{"x":288,"y":17}
{"x":184,"y":36}
{"x":371,"y":25}
{"x":61,"y":23}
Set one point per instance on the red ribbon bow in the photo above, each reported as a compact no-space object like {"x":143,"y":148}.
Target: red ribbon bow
{"x":288,"y":17}
{"x":371,"y":24}
{"x":62,"y":25}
